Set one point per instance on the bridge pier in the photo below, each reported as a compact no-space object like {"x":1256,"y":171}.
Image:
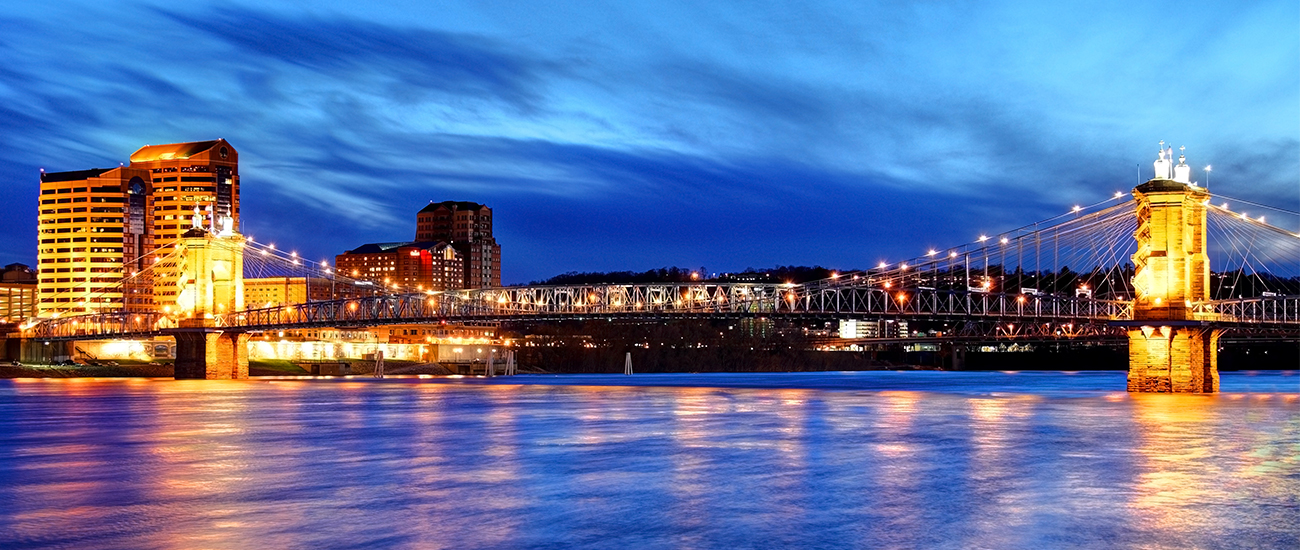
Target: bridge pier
{"x":1173,"y":359}
{"x":1172,"y":347}
{"x":204,"y":352}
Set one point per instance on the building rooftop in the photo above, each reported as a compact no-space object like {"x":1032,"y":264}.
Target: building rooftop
{"x":18,"y":273}
{"x":376,"y":248}
{"x":453,"y":205}
{"x":172,"y":150}
{"x":75,"y":175}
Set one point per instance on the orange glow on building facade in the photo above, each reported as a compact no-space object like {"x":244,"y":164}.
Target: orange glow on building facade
{"x":202,"y":174}
{"x":98,"y":227}
{"x":93,"y":228}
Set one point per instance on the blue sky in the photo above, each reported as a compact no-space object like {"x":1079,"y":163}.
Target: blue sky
{"x":637,"y":135}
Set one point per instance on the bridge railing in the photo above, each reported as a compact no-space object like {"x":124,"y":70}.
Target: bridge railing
{"x":856,"y":300}
{"x":1267,"y":310}
{"x":523,"y":302}
{"x":640,"y":300}
{"x":111,"y":324}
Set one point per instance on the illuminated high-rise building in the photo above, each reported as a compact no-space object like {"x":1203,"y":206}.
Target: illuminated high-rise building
{"x":94,"y":231}
{"x":468,"y":227}
{"x":98,"y":228}
{"x":202,"y":174}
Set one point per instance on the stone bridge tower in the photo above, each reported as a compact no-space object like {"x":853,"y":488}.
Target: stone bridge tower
{"x":211,"y":284}
{"x":1171,"y":348}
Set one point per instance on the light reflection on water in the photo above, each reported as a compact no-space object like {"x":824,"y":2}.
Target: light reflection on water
{"x":1028,"y":460}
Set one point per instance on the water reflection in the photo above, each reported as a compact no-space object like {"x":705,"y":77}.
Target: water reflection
{"x":324,"y":464}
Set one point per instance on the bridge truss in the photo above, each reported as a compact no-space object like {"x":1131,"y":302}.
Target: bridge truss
{"x":1068,"y":275}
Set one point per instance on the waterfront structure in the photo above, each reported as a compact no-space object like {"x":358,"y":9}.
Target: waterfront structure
{"x":211,"y":283}
{"x":468,"y":227}
{"x":411,"y":266}
{"x":17,"y":293}
{"x":1172,"y":347}
{"x":874,"y":328}
{"x":94,"y":231}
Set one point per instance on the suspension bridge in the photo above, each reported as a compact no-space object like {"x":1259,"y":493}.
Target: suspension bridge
{"x":1135,"y":265}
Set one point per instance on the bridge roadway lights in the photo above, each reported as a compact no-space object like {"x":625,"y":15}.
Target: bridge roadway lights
{"x":204,"y":352}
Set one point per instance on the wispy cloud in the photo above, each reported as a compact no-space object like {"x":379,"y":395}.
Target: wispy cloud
{"x":667,"y":133}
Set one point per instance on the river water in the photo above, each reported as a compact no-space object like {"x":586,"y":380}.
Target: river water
{"x":825,"y":460}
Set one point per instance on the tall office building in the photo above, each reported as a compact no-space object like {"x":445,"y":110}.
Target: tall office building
{"x":98,"y":228}
{"x":93,"y":229}
{"x":203,"y":174}
{"x":468,"y":227}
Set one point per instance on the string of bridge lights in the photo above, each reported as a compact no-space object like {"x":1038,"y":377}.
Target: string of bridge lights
{"x":983,"y":238}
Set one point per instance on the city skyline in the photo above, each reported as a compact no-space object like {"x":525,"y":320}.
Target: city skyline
{"x":725,"y":138}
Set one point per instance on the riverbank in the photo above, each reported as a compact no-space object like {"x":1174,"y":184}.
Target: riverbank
{"x":256,"y":367}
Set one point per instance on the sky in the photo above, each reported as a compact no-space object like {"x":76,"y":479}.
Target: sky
{"x":635,"y":135}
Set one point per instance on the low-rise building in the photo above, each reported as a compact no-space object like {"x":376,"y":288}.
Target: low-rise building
{"x":406,"y":266}
{"x":17,"y":293}
{"x":282,"y":291}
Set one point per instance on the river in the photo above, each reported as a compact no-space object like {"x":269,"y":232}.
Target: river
{"x":808,"y":460}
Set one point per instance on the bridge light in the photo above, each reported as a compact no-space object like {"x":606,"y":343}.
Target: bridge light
{"x":901,"y":296}
{"x":952,"y":254}
{"x":983,"y":238}
{"x":1119,"y":194}
{"x":1076,"y":208}
{"x":835,"y":275}
{"x":1005,"y":240}
{"x":903,"y":267}
{"x":1020,"y":299}
{"x":932,"y":252}
{"x":1157,"y":300}
{"x":264,"y":252}
{"x":294,"y":254}
{"x":271,"y":246}
{"x":882,"y":265}
{"x":888,"y":284}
